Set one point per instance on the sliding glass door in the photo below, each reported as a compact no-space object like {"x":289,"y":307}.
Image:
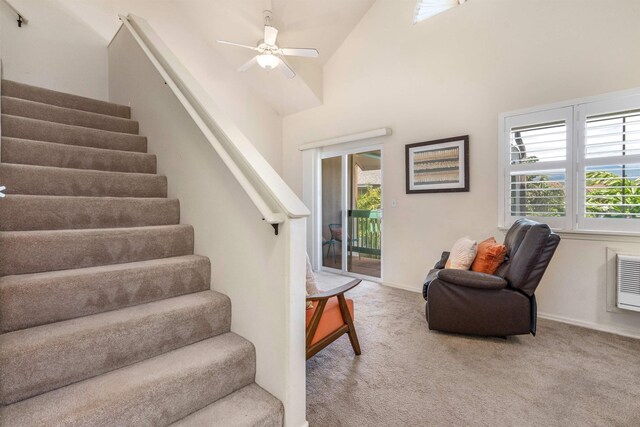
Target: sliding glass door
{"x":351,"y":214}
{"x":332,"y":184}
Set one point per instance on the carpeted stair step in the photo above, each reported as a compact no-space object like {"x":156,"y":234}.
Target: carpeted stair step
{"x":50,"y":181}
{"x":40,"y":130}
{"x":24,"y":252}
{"x":154,"y":392}
{"x":60,"y":99}
{"x":28,"y":212}
{"x":68,"y":116}
{"x":41,"y":359}
{"x":106,"y":316}
{"x":28,"y":300}
{"x":249,"y":406}
{"x":41,"y":153}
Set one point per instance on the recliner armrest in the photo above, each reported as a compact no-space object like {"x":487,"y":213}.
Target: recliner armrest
{"x":471,"y":279}
{"x":443,"y":261}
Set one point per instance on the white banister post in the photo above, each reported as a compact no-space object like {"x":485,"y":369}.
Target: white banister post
{"x":294,"y":399}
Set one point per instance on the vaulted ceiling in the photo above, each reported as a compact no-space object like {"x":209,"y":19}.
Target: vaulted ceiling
{"x":301,"y":23}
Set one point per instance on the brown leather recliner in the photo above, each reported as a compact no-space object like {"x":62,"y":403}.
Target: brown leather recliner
{"x":467,"y":302}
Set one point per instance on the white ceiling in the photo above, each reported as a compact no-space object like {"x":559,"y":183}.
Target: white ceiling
{"x":322,"y":24}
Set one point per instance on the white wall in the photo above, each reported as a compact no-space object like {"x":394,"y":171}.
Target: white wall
{"x":54,"y":50}
{"x":254,"y":116}
{"x":262,"y":273}
{"x":190,"y":29}
{"x":309,"y":23}
{"x":452,"y":75}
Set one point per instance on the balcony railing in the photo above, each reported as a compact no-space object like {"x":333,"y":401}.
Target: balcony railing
{"x":365,"y":231}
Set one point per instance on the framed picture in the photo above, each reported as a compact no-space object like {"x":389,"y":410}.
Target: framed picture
{"x":439,"y":166}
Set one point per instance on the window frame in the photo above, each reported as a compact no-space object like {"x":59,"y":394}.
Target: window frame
{"x":574,"y":113}
{"x":564,"y":114}
{"x":583,"y":111}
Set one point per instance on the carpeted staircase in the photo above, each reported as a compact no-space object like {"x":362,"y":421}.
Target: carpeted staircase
{"x":106,"y":315}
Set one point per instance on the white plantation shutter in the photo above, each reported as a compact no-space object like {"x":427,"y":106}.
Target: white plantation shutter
{"x":428,"y":8}
{"x":536,"y":151}
{"x":609,"y":165}
{"x":576,"y":167}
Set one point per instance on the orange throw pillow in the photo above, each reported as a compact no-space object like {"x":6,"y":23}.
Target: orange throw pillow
{"x":490,"y":256}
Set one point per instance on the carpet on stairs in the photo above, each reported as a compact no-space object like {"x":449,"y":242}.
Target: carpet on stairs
{"x":107,"y":316}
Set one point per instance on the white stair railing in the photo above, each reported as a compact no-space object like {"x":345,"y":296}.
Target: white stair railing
{"x":21,"y":18}
{"x":263,"y":275}
{"x":267,"y":190}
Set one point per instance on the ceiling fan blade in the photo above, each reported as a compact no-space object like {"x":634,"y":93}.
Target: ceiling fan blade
{"x":250,"y":63}
{"x":286,"y":69}
{"x":299,"y":51}
{"x":270,"y":34}
{"x":237,"y":44}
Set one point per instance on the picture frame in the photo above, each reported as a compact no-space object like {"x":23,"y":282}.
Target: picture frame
{"x":439,"y":166}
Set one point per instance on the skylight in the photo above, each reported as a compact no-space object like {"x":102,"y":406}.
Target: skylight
{"x":428,"y":8}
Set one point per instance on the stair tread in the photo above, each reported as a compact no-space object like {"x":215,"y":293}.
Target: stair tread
{"x":156,"y":391}
{"x":249,"y":406}
{"x":37,"y":251}
{"x":28,"y":300}
{"x":96,"y":232}
{"x":53,"y":113}
{"x":78,"y":171}
{"x":42,"y":358}
{"x":25,"y":212}
{"x":62,"y":99}
{"x":42,"y":130}
{"x":53,"y":154}
{"x":55,"y":181}
{"x":47,"y":275}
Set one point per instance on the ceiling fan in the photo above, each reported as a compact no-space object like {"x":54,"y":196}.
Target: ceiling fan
{"x":269,"y":55}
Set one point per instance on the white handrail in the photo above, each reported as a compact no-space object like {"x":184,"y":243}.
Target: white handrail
{"x":253,"y":170}
{"x":21,"y":17}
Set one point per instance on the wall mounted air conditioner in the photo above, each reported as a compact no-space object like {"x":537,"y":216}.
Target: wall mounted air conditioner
{"x":628,"y":282}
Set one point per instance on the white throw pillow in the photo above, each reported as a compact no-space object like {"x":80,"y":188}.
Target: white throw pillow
{"x":462,"y":254}
{"x":312,"y":286}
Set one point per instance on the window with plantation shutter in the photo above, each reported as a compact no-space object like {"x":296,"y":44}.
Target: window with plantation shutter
{"x":536,"y":176}
{"x":609,"y":165}
{"x":575,"y":167}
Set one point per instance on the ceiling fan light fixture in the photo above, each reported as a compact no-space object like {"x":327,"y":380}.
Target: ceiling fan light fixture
{"x":271,"y":56}
{"x":268,"y":61}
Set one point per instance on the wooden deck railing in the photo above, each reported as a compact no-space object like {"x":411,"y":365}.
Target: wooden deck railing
{"x":366,"y":232}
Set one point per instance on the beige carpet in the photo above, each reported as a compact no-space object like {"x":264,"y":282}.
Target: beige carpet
{"x":410,"y":376}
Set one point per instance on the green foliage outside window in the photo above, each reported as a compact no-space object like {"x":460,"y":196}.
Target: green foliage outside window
{"x":535,"y":195}
{"x":541,"y":198}
{"x":613,"y":195}
{"x":371,"y":199}
{"x":608,"y":195}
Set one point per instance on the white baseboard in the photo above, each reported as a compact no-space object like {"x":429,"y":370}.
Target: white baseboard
{"x":401,"y":286}
{"x":590,"y":325}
